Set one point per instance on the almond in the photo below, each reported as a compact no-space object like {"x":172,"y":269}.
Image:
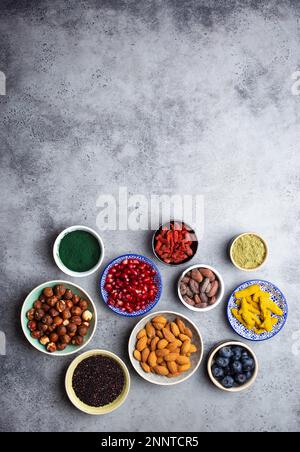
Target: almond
{"x":145,"y":355}
{"x":141,"y":334}
{"x":162,"y":353}
{"x":182,"y":360}
{"x":158,"y":326}
{"x":159,"y":334}
{"x":175,"y":330}
{"x":184,"y":368}
{"x":183,"y":337}
{"x":171,"y":357}
{"x":188,"y":332}
{"x":168,"y":335}
{"x":154,"y":343}
{"x":141,"y":344}
{"x":137,"y":355}
{"x":161,"y":370}
{"x":185,"y":347}
{"x":172,"y":366}
{"x":150,"y":330}
{"x":145,"y":367}
{"x":162,"y":344}
{"x":160,"y":319}
{"x":193,"y":348}
{"x":152,"y":360}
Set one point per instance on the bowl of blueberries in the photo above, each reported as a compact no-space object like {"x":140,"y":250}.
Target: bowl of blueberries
{"x":233,"y":366}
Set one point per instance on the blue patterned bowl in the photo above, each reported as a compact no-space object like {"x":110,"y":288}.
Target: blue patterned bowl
{"x":157,"y":280}
{"x":276,"y":295}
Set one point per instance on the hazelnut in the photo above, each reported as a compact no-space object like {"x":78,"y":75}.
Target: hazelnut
{"x":87,"y":324}
{"x":51,"y":328}
{"x":77,"y":340}
{"x":59,"y":290}
{"x":76,"y":311}
{"x":61,"y":346}
{"x":76,"y":319}
{"x":51,"y":347}
{"x":42,"y":298}
{"x":32,"y":325}
{"x":53,"y":312}
{"x":61,"y":330}
{"x":83,"y":304}
{"x":61,"y":306}
{"x":47,"y":320}
{"x":46,"y":307}
{"x":72,"y":328}
{"x":52,"y":301}
{"x":54,"y":337}
{"x":37,"y":304}
{"x":30,"y":314}
{"x":39,"y":314}
{"x":66,"y":315}
{"x":65,"y":339}
{"x":42,"y":327}
{"x":68,"y":294}
{"x":57,"y":321}
{"x":44,"y":340}
{"x":66,"y":322}
{"x":72,"y":335}
{"x":82,"y":330}
{"x":87,"y":316}
{"x":48,"y":292}
{"x":36,"y":334}
{"x":69,"y":304}
{"x":76,"y":299}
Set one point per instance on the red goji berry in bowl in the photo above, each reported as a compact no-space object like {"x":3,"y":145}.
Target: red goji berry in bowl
{"x":131,"y":285}
{"x":175,"y":243}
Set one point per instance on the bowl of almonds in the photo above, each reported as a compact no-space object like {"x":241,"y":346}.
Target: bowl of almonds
{"x":165,"y":348}
{"x":201,"y":288}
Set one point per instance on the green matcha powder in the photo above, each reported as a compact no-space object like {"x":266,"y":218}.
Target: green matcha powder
{"x":79,"y":251}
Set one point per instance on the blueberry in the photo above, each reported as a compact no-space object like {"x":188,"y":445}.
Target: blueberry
{"x":241,"y":379}
{"x":249,"y":375}
{"x":228,"y":382}
{"x":245,"y":354}
{"x":237,"y":367}
{"x":248,"y":364}
{"x":222,"y":362}
{"x":228,"y":371}
{"x":217,"y":372}
{"x":225,"y":352}
{"x":237,"y":353}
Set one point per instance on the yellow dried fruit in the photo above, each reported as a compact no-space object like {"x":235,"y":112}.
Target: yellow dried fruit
{"x":141,"y":334}
{"x":161,"y":370}
{"x":172,"y":366}
{"x":150,"y":330}
{"x":141,"y":344}
{"x":162,"y":344}
{"x":182,"y":360}
{"x":152,"y":360}
{"x":168,"y":335}
{"x":180,"y":325}
{"x":146,"y":368}
{"x":145,"y":354}
{"x":185,"y":347}
{"x":175,"y":330}
{"x":171,"y":357}
{"x":137,"y":355}
{"x":154,"y":343}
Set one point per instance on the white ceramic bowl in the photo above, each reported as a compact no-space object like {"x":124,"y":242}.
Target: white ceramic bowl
{"x":220,"y":293}
{"x":58,"y":261}
{"x":211,"y":362}
{"x":86,"y":408}
{"x":34,"y":295}
{"x":196,"y":358}
{"x":248,"y":269}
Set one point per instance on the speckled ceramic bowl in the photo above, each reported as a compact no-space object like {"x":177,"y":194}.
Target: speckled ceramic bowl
{"x":34,"y":295}
{"x":96,"y":411}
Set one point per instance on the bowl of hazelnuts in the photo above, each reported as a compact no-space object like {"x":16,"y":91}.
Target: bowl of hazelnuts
{"x":59,"y":318}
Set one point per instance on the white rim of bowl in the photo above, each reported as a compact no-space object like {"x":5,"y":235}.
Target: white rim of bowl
{"x":58,"y":261}
{"x":221,"y":289}
{"x":153,"y":243}
{"x":25,"y":328}
{"x":249,"y":270}
{"x":166,"y":381}
{"x":78,"y":360}
{"x":210,"y":363}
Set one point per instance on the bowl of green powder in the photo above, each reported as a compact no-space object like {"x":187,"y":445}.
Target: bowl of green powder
{"x":249,"y":252}
{"x":78,"y":251}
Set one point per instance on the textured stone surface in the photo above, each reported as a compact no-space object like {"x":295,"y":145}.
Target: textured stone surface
{"x":166,"y":96}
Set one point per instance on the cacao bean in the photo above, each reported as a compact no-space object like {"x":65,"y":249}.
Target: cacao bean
{"x":197,"y":276}
{"x":204,"y":285}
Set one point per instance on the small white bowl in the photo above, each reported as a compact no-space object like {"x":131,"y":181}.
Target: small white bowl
{"x":220,"y":294}
{"x":248,"y":269}
{"x":58,"y":261}
{"x":196,"y":358}
{"x":211,"y":362}
{"x":96,"y":411}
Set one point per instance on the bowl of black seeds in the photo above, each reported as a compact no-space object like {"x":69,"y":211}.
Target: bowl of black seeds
{"x":97,"y":382}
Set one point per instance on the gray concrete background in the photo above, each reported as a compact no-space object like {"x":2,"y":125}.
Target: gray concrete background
{"x":159,"y":96}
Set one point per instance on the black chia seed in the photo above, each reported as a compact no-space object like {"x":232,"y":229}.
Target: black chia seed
{"x":98,"y":381}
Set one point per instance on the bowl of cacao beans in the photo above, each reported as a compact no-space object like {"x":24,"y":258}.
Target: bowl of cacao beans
{"x":201,"y":288}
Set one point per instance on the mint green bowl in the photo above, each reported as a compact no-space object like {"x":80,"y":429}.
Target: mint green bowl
{"x":34,"y":295}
